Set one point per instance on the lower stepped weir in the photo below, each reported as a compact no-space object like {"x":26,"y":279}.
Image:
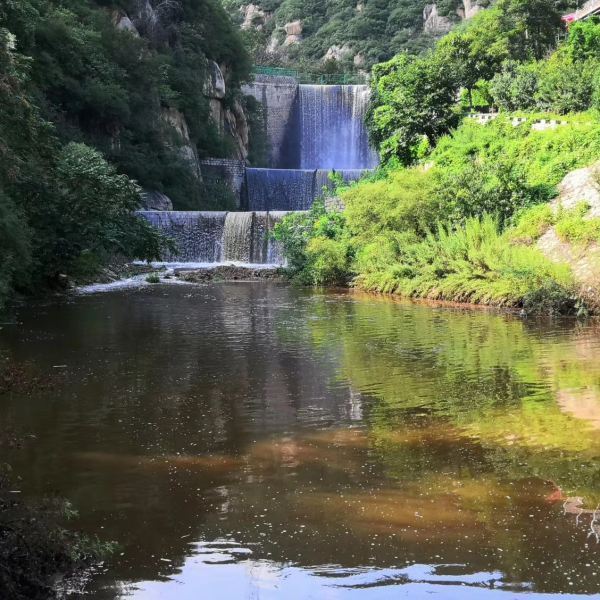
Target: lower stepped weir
{"x":212,"y":237}
{"x":317,"y":129}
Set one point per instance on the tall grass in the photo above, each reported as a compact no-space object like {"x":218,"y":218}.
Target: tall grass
{"x":473,"y":263}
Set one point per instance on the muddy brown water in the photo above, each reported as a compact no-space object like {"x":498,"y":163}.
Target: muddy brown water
{"x":256,"y":441}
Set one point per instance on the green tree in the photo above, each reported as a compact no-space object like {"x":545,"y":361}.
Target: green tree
{"x":92,"y":216}
{"x":566,"y":86}
{"x":584,"y":40}
{"x":516,"y":86}
{"x":413,"y":100}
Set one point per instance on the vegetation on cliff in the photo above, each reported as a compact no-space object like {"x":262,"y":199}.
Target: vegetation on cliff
{"x":93,"y":108}
{"x":343,"y":35}
{"x":452,"y":213}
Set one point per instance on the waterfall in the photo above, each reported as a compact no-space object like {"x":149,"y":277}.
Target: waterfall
{"x":237,"y":237}
{"x":290,"y":189}
{"x":219,"y":237}
{"x":327,"y":133}
{"x":280,"y":189}
{"x":197,"y":235}
{"x":333,"y":134}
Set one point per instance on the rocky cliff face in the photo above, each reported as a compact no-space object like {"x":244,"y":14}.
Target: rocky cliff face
{"x":287,"y":40}
{"x":228,"y":117}
{"x":433,"y":22}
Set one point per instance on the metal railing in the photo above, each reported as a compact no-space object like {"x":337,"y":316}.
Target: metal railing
{"x":312,"y":78}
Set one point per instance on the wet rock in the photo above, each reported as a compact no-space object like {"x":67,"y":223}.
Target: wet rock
{"x":228,"y":273}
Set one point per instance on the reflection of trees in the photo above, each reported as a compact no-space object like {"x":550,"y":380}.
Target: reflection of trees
{"x":494,"y":378}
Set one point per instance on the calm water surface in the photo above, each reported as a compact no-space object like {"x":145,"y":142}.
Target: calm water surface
{"x":255,"y":441}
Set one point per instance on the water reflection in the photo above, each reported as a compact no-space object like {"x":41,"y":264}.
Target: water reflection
{"x":257,"y":441}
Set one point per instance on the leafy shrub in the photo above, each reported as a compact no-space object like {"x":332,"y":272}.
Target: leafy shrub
{"x":35,"y":549}
{"x":153,"y":278}
{"x":316,"y":245}
{"x":572,"y":226}
{"x":551,"y":298}
{"x":531,"y":224}
{"x":413,"y":98}
{"x":515,"y":87}
{"x":566,"y":86}
{"x":15,"y":248}
{"x":401,"y":199}
{"x":92,"y":213}
{"x":328,"y":260}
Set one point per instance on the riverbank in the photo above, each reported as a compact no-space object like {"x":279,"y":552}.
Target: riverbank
{"x":38,"y":552}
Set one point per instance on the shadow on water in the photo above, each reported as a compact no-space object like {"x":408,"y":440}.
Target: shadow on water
{"x":256,"y":441}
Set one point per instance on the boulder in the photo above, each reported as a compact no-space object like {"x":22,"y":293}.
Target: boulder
{"x":578,"y":186}
{"x":154,"y":200}
{"x":293,"y":33}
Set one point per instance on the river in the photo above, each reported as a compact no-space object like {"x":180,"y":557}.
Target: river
{"x":257,"y":441}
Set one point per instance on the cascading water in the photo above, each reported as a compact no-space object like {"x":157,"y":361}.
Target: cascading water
{"x":237,"y":237}
{"x":219,"y":237}
{"x":291,"y":189}
{"x":279,"y":189}
{"x":197,"y":235}
{"x":333,"y":134}
{"x":330,"y":134}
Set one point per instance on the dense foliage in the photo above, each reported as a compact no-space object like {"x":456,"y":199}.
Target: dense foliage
{"x":414,"y":98}
{"x":453,"y":213}
{"x":84,"y":107}
{"x":462,"y":226}
{"x":373,"y":30}
{"x":112,"y":85}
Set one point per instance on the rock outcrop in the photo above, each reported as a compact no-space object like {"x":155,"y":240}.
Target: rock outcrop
{"x":293,"y":33}
{"x":578,"y":186}
{"x":338,"y":53}
{"x":154,"y":200}
{"x":470,"y":9}
{"x":229,"y":121}
{"x":123,"y":23}
{"x":433,"y":22}
{"x":255,"y":17}
{"x":178,"y":136}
